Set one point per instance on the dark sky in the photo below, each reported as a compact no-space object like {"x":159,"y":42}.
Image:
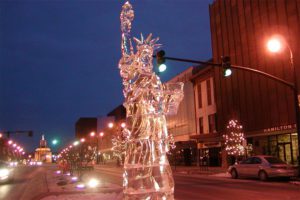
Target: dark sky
{"x":59,"y":58}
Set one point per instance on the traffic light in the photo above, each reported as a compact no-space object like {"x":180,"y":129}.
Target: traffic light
{"x":226,"y":65}
{"x":160,"y":60}
{"x":54,"y":142}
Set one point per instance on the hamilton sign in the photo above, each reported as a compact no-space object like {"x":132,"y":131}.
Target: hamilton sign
{"x":280,"y":128}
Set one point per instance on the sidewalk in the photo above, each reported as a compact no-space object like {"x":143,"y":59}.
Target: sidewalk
{"x":199,"y":170}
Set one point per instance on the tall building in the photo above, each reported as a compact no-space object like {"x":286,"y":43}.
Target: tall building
{"x":207,"y":137}
{"x":265,"y":107}
{"x":84,"y":126}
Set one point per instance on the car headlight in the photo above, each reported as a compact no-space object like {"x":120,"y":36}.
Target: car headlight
{"x":4,"y":172}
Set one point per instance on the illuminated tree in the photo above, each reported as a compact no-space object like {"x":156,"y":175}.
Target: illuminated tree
{"x":234,"y":139}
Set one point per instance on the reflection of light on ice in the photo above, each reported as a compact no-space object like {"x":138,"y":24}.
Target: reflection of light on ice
{"x":161,"y":168}
{"x":162,"y":160}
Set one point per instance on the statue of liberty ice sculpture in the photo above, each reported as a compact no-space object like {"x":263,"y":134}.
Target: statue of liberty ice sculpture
{"x":147,"y":173}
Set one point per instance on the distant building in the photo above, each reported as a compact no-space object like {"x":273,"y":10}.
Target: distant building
{"x":105,"y":143}
{"x":84,"y":126}
{"x":43,"y":153}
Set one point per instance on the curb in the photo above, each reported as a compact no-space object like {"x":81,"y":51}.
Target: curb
{"x":297,"y":183}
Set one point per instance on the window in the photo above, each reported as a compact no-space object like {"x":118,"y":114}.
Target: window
{"x":247,"y":161}
{"x":211,"y":123}
{"x":199,"y":96}
{"x":256,"y":160}
{"x":201,"y":131}
{"x":208,"y":90}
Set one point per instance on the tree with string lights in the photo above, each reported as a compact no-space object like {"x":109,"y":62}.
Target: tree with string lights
{"x":234,"y":139}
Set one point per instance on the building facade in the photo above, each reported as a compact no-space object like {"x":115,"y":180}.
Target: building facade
{"x":84,"y":127}
{"x":182,"y":124}
{"x":207,"y":137}
{"x":265,"y":108}
{"x":43,"y":153}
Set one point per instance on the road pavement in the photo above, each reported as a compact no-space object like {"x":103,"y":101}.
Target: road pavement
{"x":28,"y":182}
{"x":214,"y":187}
{"x":33,"y":182}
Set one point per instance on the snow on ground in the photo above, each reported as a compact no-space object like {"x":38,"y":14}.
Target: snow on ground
{"x":85,"y":196}
{"x":62,"y":187}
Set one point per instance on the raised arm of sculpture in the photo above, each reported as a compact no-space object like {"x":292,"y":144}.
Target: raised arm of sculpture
{"x":126,"y":17}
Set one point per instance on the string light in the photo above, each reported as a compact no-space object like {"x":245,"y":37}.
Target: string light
{"x":234,"y":139}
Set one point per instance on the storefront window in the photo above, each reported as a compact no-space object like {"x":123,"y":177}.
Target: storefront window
{"x":295,"y":147}
{"x":284,"y":138}
{"x":284,"y":147}
{"x":273,"y":145}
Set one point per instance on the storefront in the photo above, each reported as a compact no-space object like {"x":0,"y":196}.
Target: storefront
{"x":280,"y":141}
{"x":209,"y":149}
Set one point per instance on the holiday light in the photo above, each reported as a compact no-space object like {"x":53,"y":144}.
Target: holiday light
{"x":234,"y":139}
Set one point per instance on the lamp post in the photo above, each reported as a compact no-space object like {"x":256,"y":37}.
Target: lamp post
{"x":101,"y":134}
{"x":93,"y":134}
{"x":118,"y":139}
{"x":275,"y":45}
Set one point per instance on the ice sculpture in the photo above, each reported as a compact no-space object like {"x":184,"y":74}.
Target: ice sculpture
{"x":147,"y":173}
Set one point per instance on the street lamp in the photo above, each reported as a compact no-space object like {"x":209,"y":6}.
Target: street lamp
{"x":110,"y":125}
{"x":275,"y":45}
{"x":93,"y":134}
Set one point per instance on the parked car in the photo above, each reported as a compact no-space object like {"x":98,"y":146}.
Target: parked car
{"x":262,"y":167}
{"x":6,"y":172}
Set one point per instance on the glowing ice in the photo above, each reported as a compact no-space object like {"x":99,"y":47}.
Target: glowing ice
{"x":147,"y":173}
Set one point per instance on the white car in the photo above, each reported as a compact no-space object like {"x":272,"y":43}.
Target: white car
{"x":262,"y":167}
{"x":6,"y":172}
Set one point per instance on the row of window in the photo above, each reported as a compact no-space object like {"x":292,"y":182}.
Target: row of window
{"x":211,"y":124}
{"x":209,"y":93}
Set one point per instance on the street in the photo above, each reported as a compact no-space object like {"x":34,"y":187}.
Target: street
{"x":210,"y":188}
{"x":31,"y":182}
{"x":28,"y":182}
{"x":204,"y":187}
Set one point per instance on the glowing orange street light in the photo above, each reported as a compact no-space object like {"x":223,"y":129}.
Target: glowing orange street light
{"x":274,"y":45}
{"x":123,"y":124}
{"x":110,"y":125}
{"x":92,"y":134}
{"x":82,"y":140}
{"x":101,"y":134}
{"x":10,"y":142}
{"x":1,"y":135}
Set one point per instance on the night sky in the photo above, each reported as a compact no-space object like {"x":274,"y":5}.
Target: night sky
{"x":59,"y":58}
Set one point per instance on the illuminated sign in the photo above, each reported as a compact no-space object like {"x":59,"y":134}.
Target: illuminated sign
{"x":280,"y":128}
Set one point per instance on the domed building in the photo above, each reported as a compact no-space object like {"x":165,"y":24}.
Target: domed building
{"x":43,"y":153}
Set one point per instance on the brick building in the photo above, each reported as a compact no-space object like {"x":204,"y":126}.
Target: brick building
{"x":240,"y":29}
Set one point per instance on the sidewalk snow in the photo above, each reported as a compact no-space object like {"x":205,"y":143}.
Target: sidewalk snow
{"x":85,"y":196}
{"x":61,"y":187}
